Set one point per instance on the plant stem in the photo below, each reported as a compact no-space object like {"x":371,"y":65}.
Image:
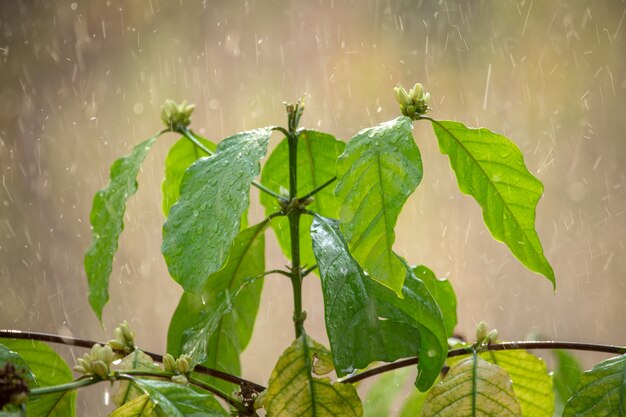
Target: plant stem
{"x":84,"y":343}
{"x":78,"y":383}
{"x":590,"y":347}
{"x":294,"y":112}
{"x":192,"y":137}
{"x":317,"y":190}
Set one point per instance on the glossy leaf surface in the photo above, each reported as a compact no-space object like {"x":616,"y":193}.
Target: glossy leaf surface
{"x":378,"y":171}
{"x":317,"y":157}
{"x":176,"y":400}
{"x":294,"y":392}
{"x":216,"y":326}
{"x":490,"y":168}
{"x":214,"y":193}
{"x":137,"y":361}
{"x":567,"y":372}
{"x":473,"y":387}
{"x":443,"y":293}
{"x":180,"y":156}
{"x":366,"y":321}
{"x":107,"y":222}
{"x":48,"y":369}
{"x":600,"y":391}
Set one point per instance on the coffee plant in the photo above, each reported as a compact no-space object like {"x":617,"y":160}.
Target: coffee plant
{"x":333,"y":207}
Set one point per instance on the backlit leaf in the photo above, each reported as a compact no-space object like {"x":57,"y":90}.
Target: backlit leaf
{"x":180,"y":156}
{"x":600,"y":391}
{"x":214,"y":193}
{"x":137,"y":361}
{"x":216,"y":326}
{"x":567,"y":372}
{"x":382,"y":394}
{"x":317,"y":156}
{"x":48,"y":369}
{"x":473,"y":387}
{"x":442,"y":292}
{"x":107,"y":222}
{"x":139,"y":407}
{"x":294,"y":392}
{"x":490,"y":168}
{"x":378,"y":171}
{"x":366,"y":321}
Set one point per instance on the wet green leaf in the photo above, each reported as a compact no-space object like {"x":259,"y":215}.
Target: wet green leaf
{"x":317,"y":156}
{"x":567,"y":372}
{"x":138,"y":361}
{"x":214,"y":193}
{"x":383,"y":394}
{"x":490,"y":168}
{"x":600,"y":391}
{"x":378,"y":171}
{"x":413,"y":403}
{"x":473,"y":387}
{"x":107,"y":222}
{"x":9,"y":356}
{"x":139,"y":407}
{"x":294,"y":392}
{"x":215,"y":327}
{"x":48,"y":369}
{"x":365,"y":320}
{"x":443,"y":293}
{"x":177,"y":400}
{"x":180,"y":156}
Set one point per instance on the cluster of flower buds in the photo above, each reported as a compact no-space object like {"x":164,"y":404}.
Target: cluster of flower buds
{"x":180,"y":367}
{"x":124,"y":339}
{"x":414,"y":103}
{"x":484,"y":336}
{"x":97,"y":362}
{"x":176,"y":116}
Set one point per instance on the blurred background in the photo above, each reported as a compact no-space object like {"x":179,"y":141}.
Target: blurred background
{"x":81,"y":82}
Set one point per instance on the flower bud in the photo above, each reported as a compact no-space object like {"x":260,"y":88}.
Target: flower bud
{"x":80,"y":369}
{"x":481,"y":332}
{"x":401,"y":96}
{"x":176,"y":116}
{"x":129,"y":335}
{"x":100,"y":369}
{"x":183,"y":365}
{"x":95,"y":352}
{"x":116,"y":344}
{"x":106,"y":354}
{"x":492,"y":337}
{"x":169,"y":363}
{"x":119,"y":335}
{"x":417,"y":92}
{"x":179,"y":379}
{"x":84,"y":364}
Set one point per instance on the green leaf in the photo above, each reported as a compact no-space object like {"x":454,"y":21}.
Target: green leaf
{"x":294,"y":392}
{"x":107,"y":222}
{"x":138,"y":361}
{"x":378,"y":171}
{"x":532,"y":383}
{"x":214,"y":193}
{"x":49,"y":369}
{"x":473,"y":387}
{"x":216,"y":327}
{"x":600,"y":391}
{"x":139,"y":407}
{"x":382,"y":394}
{"x":365,"y":320}
{"x":490,"y":168}
{"x":317,"y":156}
{"x":567,"y":372}
{"x":180,"y":156}
{"x":9,"y":356}
{"x":443,"y":293}
{"x":413,"y":404}
{"x":176,"y":400}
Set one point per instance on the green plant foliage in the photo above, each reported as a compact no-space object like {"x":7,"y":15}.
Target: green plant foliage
{"x":365,"y":321}
{"x":317,"y":155}
{"x":294,"y":392}
{"x":139,"y":407}
{"x":107,"y":222}
{"x":176,"y":400}
{"x":378,"y":171}
{"x":215,"y":327}
{"x":214,"y":193}
{"x":442,"y":292}
{"x":180,"y":156}
{"x":600,"y":391}
{"x":48,"y":369}
{"x":137,"y":361}
{"x":490,"y":168}
{"x":413,"y":404}
{"x":473,"y":387}
{"x":8,"y":356}
{"x":382,"y":394}
{"x":567,"y":372}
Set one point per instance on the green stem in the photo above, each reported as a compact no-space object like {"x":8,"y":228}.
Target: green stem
{"x":317,"y":190}
{"x":78,"y":383}
{"x":192,"y":137}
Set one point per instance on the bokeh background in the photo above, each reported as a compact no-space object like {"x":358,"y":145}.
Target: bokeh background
{"x":81,"y":82}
